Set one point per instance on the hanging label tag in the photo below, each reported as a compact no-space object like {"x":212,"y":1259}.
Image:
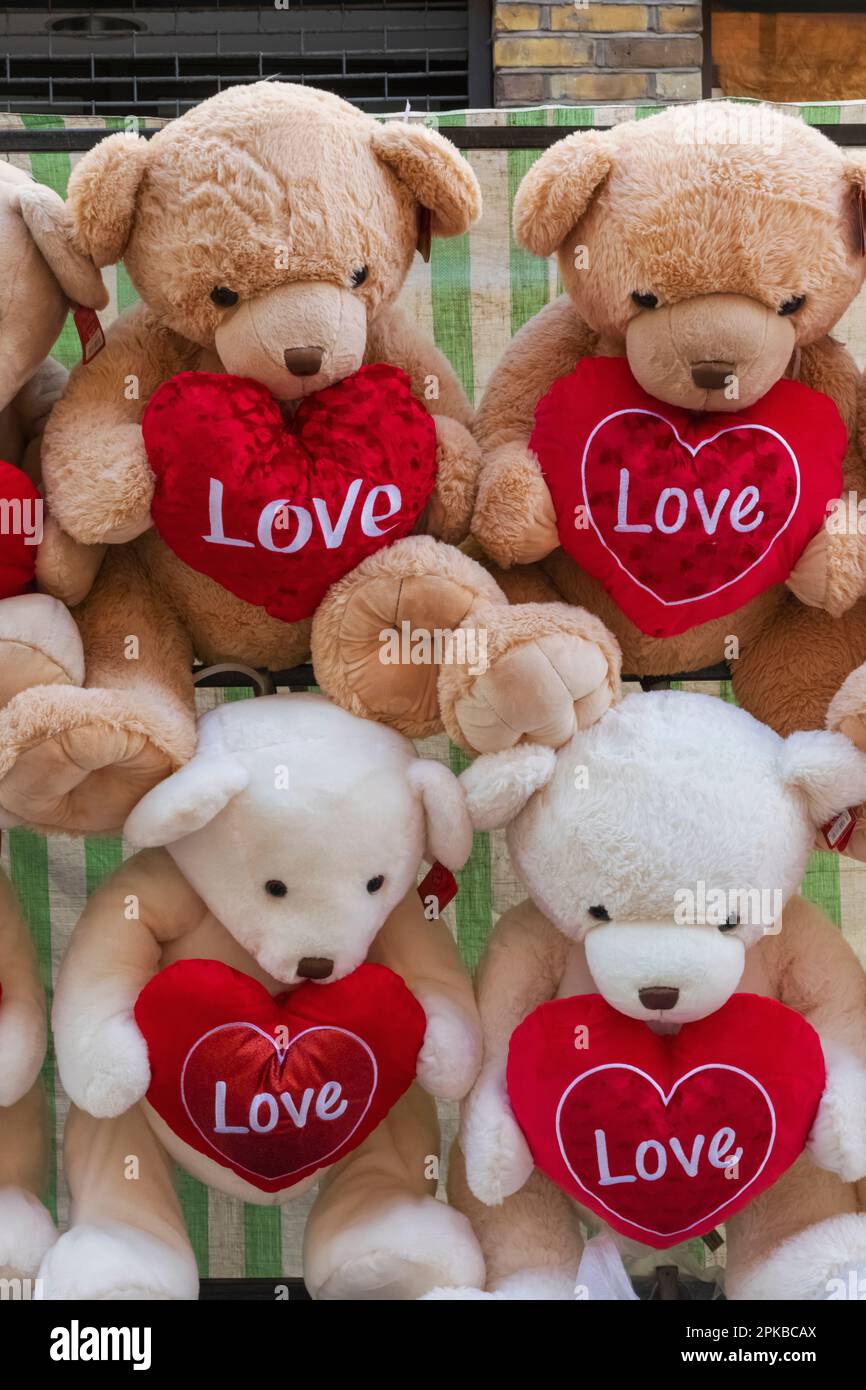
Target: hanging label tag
{"x":838,"y":831}
{"x":860,"y":218}
{"x":440,"y":884}
{"x":425,"y":232}
{"x":89,"y":331}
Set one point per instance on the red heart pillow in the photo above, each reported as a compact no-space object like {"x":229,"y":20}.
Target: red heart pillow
{"x":20,"y":517}
{"x":276,"y":513}
{"x":276,"y":1088}
{"x":685,"y":516}
{"x":644,"y":1130}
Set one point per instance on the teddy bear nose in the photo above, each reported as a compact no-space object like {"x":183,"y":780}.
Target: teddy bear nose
{"x":315,"y":968}
{"x":712,"y":376}
{"x":660,"y":997}
{"x":304,"y":361}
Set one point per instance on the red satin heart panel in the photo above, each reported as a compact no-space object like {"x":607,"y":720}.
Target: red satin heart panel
{"x":20,"y":505}
{"x":276,"y":1088}
{"x":665,"y":1137}
{"x":685,"y":516}
{"x":276,"y":513}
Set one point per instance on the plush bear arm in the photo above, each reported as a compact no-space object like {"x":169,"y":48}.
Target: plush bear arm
{"x":815,"y":971}
{"x":514,"y":518}
{"x":425,"y":955}
{"x":32,"y":406}
{"x":394,"y":338}
{"x":115,"y":949}
{"x":831,"y":572}
{"x":520,"y":969}
{"x":23,"y":1031}
{"x":97,"y":480}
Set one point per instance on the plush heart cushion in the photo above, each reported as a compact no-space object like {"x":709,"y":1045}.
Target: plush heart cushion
{"x":276,"y":1088}
{"x":664,"y":1137}
{"x":277,"y":512}
{"x":20,"y":517}
{"x":685,"y":516}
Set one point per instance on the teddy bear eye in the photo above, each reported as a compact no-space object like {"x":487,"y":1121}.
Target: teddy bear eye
{"x":223,"y":296}
{"x":374,"y":884}
{"x":359,"y":276}
{"x":600,"y":913}
{"x":791,"y":306}
{"x":276,"y":888}
{"x":645,"y":301}
{"x":733,"y":921}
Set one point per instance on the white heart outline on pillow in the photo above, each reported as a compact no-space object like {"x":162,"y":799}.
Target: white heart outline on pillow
{"x":728,"y":429}
{"x":666,"y":1099}
{"x":282,"y":1053}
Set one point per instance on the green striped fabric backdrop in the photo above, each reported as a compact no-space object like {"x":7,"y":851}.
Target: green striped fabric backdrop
{"x":475,"y":293}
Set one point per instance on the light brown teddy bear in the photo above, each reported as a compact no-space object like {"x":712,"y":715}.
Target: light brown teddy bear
{"x":268,"y":233}
{"x":706,"y":253}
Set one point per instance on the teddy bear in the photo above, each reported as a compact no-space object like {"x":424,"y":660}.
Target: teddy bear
{"x":670,"y":446}
{"x":255,"y":995}
{"x":662,"y":849}
{"x":41,"y":273}
{"x":26,"y":1229}
{"x":264,"y":418}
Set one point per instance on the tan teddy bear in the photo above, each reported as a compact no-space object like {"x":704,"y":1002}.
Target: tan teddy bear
{"x":268,"y":232}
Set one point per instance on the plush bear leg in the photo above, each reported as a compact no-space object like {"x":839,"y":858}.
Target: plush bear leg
{"x":80,"y":759}
{"x":804,"y":1239}
{"x":127,"y":1239}
{"x":26,"y":1229}
{"x":532,"y":1243}
{"x":376,"y":1230}
{"x":39,"y":645}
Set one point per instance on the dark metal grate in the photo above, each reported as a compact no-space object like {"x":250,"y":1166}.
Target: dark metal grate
{"x":152,"y":58}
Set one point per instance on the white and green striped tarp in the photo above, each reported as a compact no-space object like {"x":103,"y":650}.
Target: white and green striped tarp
{"x":475,"y":293}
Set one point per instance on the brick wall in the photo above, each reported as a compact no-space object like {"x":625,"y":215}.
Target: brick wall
{"x":603,"y":50}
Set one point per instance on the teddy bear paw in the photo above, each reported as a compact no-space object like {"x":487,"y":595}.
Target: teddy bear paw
{"x":26,"y":1234}
{"x":116,"y":1262}
{"x":838,"y":1138}
{"x":450,"y":1056}
{"x":498,"y":1158}
{"x":39,"y":645}
{"x":109,"y":1075}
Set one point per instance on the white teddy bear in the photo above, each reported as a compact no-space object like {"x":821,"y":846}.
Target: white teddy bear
{"x":292,"y":842}
{"x":672,"y":803}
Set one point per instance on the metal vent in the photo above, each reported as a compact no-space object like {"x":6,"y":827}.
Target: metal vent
{"x":157,"y":58}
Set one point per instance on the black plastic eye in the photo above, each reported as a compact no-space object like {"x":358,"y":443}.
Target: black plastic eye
{"x":359,"y":276}
{"x":374,"y":884}
{"x":645,"y":301}
{"x":791,"y":306}
{"x":733,"y":921}
{"x":276,"y":888}
{"x":600,"y":913}
{"x":224,"y":297}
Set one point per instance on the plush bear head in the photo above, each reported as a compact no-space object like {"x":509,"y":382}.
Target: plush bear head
{"x":666,"y":838}
{"x":302,"y":827}
{"x":708,"y":242}
{"x":271,"y":223}
{"x":40,"y":273}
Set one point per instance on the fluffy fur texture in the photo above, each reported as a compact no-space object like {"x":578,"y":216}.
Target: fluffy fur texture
{"x":723,"y":231}
{"x":354,"y":802}
{"x":283,"y":195}
{"x":667,"y":792}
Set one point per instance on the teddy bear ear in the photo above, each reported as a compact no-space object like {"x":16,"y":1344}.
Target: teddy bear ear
{"x":186,"y":801}
{"x":49,"y":223}
{"x":828,"y":769}
{"x":558,"y":189}
{"x":434,"y":171}
{"x":449,"y":829}
{"x":102,"y":193}
{"x":498,"y":785}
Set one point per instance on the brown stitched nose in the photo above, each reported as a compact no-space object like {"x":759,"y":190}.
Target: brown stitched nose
{"x":658,"y":998}
{"x":315,"y":968}
{"x":712,"y":376}
{"x":303,"y":361}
